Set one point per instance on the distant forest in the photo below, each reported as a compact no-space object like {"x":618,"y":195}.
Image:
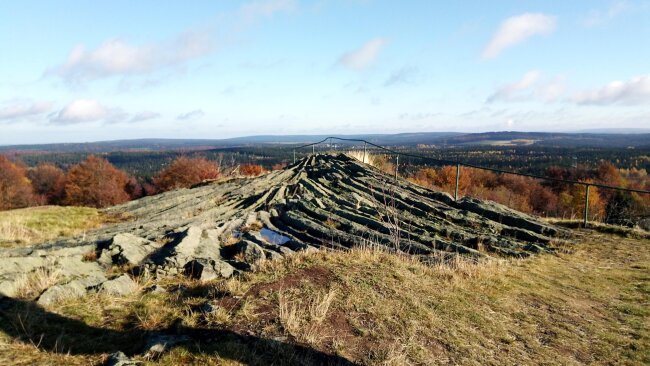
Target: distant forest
{"x":531,"y":159}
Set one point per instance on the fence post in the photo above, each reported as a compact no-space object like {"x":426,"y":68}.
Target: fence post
{"x":294,"y":156}
{"x":457,"y":178}
{"x":364,"y":152}
{"x":586,"y":206}
{"x":313,"y":149}
{"x":396,"y":165}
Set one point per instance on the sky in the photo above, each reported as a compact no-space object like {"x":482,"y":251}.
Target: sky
{"x":76,"y":71}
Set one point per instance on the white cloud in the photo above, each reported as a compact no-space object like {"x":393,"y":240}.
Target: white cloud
{"x":597,"y":17}
{"x":517,"y":29}
{"x":635,"y":91}
{"x":363,"y":56}
{"x":116,"y":57}
{"x":23,"y":109}
{"x":512,"y":90}
{"x":191,"y":115}
{"x":265,"y":9}
{"x":144,"y":116}
{"x":80,"y":111}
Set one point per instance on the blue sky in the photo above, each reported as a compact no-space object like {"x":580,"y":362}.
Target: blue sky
{"x":87,"y":71}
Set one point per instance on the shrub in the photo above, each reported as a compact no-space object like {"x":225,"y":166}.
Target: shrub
{"x":251,"y":170}
{"x":184,"y":172}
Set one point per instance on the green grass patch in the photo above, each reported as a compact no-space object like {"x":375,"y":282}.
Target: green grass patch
{"x":34,"y":225}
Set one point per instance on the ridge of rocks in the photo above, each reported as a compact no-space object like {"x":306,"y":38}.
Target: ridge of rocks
{"x":220,"y":229}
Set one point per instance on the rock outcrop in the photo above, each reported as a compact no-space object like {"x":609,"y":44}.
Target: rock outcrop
{"x":217,"y":230}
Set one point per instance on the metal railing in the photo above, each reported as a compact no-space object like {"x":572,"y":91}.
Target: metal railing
{"x":458,"y":165}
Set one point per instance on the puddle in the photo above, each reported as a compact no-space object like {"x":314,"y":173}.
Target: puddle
{"x":273,"y":237}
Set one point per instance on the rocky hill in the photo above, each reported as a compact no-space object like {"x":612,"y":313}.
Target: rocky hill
{"x":222,"y":228}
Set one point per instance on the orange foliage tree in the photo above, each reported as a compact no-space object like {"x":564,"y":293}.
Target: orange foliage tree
{"x":95,"y":182}
{"x":185,"y":172}
{"x":251,"y":170}
{"x":446,"y":179}
{"x":48,"y":183}
{"x":424,"y":177}
{"x":15,"y":187}
{"x":572,"y":203}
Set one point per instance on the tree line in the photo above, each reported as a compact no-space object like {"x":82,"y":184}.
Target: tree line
{"x":550,"y":198}
{"x":95,"y":182}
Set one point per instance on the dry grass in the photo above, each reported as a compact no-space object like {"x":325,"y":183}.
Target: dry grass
{"x":34,"y":283}
{"x":38,"y":224}
{"x":586,"y":305}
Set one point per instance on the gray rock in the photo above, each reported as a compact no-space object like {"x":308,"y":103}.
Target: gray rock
{"x":127,"y":248}
{"x":75,"y":288}
{"x":155,"y":289}
{"x":196,"y":243}
{"x":205,"y":269}
{"x":285,"y":251}
{"x":157,"y":344}
{"x":120,"y":286}
{"x":249,"y":252}
{"x":209,"y":308}
{"x":120,"y":359}
{"x":272,"y":255}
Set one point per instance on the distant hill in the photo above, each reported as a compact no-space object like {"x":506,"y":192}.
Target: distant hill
{"x":552,"y":139}
{"x":502,"y":138}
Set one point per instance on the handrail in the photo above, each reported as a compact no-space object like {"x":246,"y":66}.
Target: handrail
{"x":452,"y":162}
{"x":458,"y":164}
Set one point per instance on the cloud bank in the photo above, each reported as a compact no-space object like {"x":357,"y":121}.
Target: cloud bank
{"x":635,"y":91}
{"x":90,"y":110}
{"x":23,"y":109}
{"x":116,"y":57}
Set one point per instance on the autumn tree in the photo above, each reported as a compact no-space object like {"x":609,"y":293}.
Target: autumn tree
{"x":446,"y":179}
{"x":279,"y":166}
{"x":48,"y":183}
{"x":572,"y":202}
{"x":251,"y":170}
{"x":424,"y":177}
{"x":95,"y":182}
{"x":134,"y":188}
{"x":15,"y":187}
{"x":185,"y":172}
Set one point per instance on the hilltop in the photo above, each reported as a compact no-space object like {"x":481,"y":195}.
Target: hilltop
{"x":327,"y":261}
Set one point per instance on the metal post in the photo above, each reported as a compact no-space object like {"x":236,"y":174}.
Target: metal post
{"x":586,"y":206}
{"x":294,"y":156}
{"x":457,"y":178}
{"x":364,"y":152}
{"x":313,"y":149}
{"x":396,"y":165}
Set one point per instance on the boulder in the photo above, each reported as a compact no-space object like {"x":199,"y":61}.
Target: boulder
{"x":196,"y":243}
{"x":159,"y":343}
{"x":74,"y":288}
{"x":205,"y":269}
{"x":120,"y":359}
{"x":120,"y":286}
{"x":127,"y":248}
{"x":249,"y":252}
